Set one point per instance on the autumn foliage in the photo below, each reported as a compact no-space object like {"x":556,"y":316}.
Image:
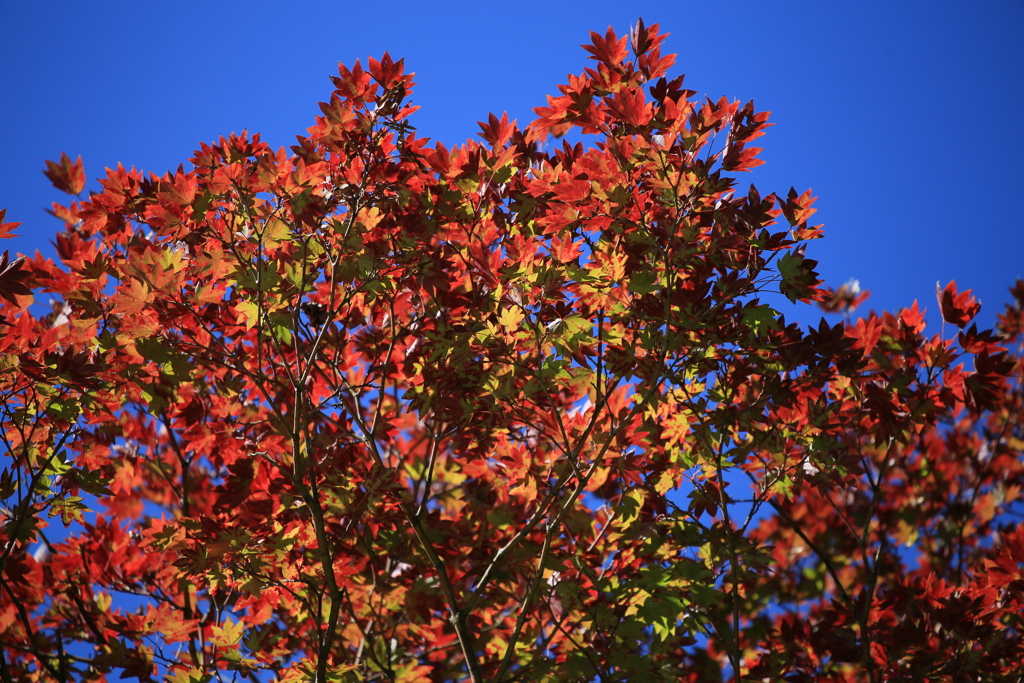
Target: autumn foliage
{"x":518,"y":410}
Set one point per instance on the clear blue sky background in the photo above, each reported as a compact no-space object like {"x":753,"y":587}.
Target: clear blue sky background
{"x":905,"y":117}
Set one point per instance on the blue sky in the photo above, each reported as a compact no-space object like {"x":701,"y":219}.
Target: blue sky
{"x":904,"y":117}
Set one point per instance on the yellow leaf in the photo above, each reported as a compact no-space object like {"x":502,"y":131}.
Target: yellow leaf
{"x":526,"y":489}
{"x":249,"y":313}
{"x":230,"y":633}
{"x":511,"y":318}
{"x":369,"y":217}
{"x":666,"y":481}
{"x":186,"y":675}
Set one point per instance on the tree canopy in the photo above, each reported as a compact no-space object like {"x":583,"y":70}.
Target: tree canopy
{"x":520,"y":410}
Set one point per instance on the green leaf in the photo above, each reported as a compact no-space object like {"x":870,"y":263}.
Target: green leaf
{"x":628,"y":508}
{"x":280,"y":323}
{"x":275,"y":231}
{"x":22,"y":530}
{"x":643,"y":282}
{"x":201,"y":205}
{"x":249,"y":313}
{"x":760,"y":319}
{"x":55,"y":467}
{"x":64,"y":408}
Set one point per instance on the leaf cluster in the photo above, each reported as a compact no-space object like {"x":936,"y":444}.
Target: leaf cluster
{"x":376,"y":409}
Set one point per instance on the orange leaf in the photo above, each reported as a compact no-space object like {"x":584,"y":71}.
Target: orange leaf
{"x":610,"y":49}
{"x":5,"y":228}
{"x":66,"y":176}
{"x":131,"y":298}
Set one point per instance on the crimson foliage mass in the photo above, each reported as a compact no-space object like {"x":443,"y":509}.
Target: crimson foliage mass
{"x":377,"y":409}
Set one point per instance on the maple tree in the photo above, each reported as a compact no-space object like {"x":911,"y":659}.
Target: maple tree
{"x":376,"y":409}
